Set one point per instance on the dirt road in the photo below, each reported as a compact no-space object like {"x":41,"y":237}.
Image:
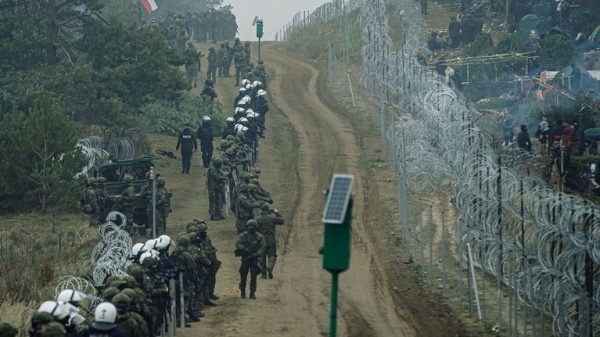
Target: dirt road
{"x":308,"y":139}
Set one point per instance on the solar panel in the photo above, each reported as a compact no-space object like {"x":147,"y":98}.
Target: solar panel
{"x":338,"y":198}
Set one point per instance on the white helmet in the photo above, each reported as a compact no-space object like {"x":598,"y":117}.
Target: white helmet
{"x":163,"y":242}
{"x":248,"y":86}
{"x":249,"y":111}
{"x":230,"y":119}
{"x":259,"y":83}
{"x":245,"y":81}
{"x":155,"y":254}
{"x":247,"y":98}
{"x":205,"y":119}
{"x":241,"y":102}
{"x":149,"y":245}
{"x":250,"y":114}
{"x":242,"y":89}
{"x":137,"y":248}
{"x":256,"y":115}
{"x":254,"y":84}
{"x":105,"y":317}
{"x":238,"y":127}
{"x":243,"y":120}
{"x":151,"y":253}
{"x":261,"y":93}
{"x":245,"y":128}
{"x":70,"y":295}
{"x":54,"y":308}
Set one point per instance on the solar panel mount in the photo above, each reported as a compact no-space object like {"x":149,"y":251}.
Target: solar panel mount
{"x":338,"y":198}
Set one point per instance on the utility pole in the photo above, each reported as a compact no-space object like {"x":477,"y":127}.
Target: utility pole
{"x":153,"y":175}
{"x":337,"y":218}
{"x":259,"y":33}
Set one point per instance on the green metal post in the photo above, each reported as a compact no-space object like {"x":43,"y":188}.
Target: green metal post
{"x":259,"y":48}
{"x":334,"y":300}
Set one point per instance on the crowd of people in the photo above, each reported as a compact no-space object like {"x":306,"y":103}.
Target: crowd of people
{"x":138,"y":304}
{"x":219,"y":62}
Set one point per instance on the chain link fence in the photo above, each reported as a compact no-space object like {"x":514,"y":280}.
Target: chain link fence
{"x":525,"y":258}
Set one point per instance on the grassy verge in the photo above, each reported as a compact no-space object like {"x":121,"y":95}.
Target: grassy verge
{"x":37,"y":250}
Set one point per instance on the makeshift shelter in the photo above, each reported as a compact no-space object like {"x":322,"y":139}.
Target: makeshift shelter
{"x":526,"y":26}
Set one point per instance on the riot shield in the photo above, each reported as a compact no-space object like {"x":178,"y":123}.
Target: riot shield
{"x":249,"y":163}
{"x":256,"y":151}
{"x":255,"y":212}
{"x":234,"y":175}
{"x":226,"y":201}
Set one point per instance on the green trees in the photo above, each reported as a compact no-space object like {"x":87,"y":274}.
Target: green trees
{"x":557,"y":51}
{"x":64,"y":63}
{"x":38,"y":158}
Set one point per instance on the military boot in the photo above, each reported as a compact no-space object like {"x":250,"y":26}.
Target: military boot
{"x":243,"y":291}
{"x":270,"y":272}
{"x":252,"y":296}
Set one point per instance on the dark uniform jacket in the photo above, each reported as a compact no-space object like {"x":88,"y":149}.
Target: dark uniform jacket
{"x":186,"y":141}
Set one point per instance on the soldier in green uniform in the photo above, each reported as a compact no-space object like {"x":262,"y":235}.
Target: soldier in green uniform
{"x":142,"y":290}
{"x":222,"y":59}
{"x":261,"y":74}
{"x":91,"y":206}
{"x":215,"y":182}
{"x":249,"y":246}
{"x":205,"y":263}
{"x":185,"y":261}
{"x":266,"y":224}
{"x":138,"y":306}
{"x":109,"y":293}
{"x":128,"y":321}
{"x":8,"y":330}
{"x":215,"y":264}
{"x":239,"y":58}
{"x":243,"y":208}
{"x":162,"y":206}
{"x":202,"y":264}
{"x":128,"y":201}
{"x":53,"y":329}
{"x":39,"y":321}
{"x":158,"y":292}
{"x":213,"y":62}
{"x":247,"y":51}
{"x":146,"y":196}
{"x":229,"y":52}
{"x":192,"y":64}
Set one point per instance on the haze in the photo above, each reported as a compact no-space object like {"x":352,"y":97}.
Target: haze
{"x":275,"y":14}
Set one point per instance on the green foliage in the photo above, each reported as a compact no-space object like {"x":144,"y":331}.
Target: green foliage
{"x":483,"y":45}
{"x":313,"y":40}
{"x":169,"y":118}
{"x":557,"y":51}
{"x":39,"y":159}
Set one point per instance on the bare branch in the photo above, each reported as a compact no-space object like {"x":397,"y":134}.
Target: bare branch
{"x":67,"y":54}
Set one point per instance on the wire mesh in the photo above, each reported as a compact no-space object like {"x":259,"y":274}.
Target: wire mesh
{"x":543,"y":244}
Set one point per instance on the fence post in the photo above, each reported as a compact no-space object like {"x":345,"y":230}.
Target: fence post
{"x":181,"y":302}
{"x":173,"y":316}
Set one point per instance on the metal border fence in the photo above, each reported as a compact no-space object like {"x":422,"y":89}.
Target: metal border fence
{"x":535,"y":245}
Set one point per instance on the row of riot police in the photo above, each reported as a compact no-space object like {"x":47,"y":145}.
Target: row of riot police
{"x":138,"y":304}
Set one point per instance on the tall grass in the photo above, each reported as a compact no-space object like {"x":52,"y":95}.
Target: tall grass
{"x":35,"y":253}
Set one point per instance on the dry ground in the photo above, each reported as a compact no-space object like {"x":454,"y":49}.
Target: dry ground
{"x":309,"y":138}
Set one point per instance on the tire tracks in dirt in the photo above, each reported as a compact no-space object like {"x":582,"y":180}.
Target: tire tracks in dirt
{"x":329,"y":144}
